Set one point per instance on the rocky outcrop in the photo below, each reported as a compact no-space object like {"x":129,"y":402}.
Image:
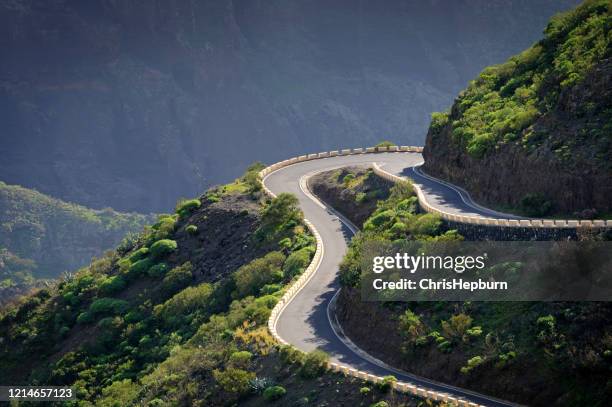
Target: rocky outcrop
{"x":569,"y":167}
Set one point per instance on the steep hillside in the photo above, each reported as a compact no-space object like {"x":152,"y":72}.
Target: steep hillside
{"x":42,"y":237}
{"x":533,"y":353}
{"x":177,"y":317}
{"x":149,"y":101}
{"x":534,"y":134}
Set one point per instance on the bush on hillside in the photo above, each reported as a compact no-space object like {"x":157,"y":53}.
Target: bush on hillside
{"x":278,"y":217}
{"x":158,"y":270}
{"x":385,"y":143}
{"x":274,"y":393}
{"x":297,"y":262}
{"x":112,"y":285}
{"x":139,"y":268}
{"x":108,"y":306}
{"x":386,"y":383}
{"x":251,"y":277}
{"x":234,"y":380}
{"x":185,"y":207}
{"x":251,"y":177}
{"x":192,"y":229}
{"x":177,"y":278}
{"x":162,"y":248}
{"x":240,"y":359}
{"x":139,"y":254}
{"x":185,"y":302}
{"x":315,"y":364}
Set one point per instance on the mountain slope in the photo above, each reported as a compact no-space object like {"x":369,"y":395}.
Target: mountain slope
{"x":532,"y":353}
{"x":179,"y":317}
{"x":51,"y":236}
{"x":535,"y":133}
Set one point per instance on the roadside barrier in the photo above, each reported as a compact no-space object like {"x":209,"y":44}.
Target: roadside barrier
{"x":314,"y":265}
{"x":316,"y":260}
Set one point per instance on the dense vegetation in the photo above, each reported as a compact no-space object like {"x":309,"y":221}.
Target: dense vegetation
{"x":534,"y":134}
{"x":149,"y":324}
{"x":502,"y":104}
{"x":529,"y":352}
{"x":395,"y":218}
{"x":355,"y":189}
{"x":42,"y":237}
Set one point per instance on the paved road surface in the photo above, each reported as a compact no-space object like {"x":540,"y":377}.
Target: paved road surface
{"x":305,"y":323}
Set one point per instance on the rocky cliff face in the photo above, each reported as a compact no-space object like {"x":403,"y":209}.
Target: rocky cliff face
{"x":133,"y":104}
{"x":530,"y":132}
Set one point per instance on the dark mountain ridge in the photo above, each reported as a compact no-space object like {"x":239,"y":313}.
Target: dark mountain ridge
{"x":134,"y":104}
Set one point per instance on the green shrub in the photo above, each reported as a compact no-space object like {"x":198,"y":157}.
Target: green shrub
{"x":399,"y":228}
{"x":381,"y":403}
{"x":163,"y":228}
{"x":259,"y":384}
{"x":315,"y":364}
{"x":240,"y":359}
{"x":278,"y":217}
{"x":119,"y":393}
{"x":124,"y":265}
{"x":251,"y":277}
{"x":386,"y":383}
{"x":347,"y":179}
{"x":474,"y":332}
{"x":85,"y":318}
{"x":108,"y":306}
{"x":186,"y":207}
{"x":291,"y":355}
{"x":364,"y":391}
{"x":112,"y":285}
{"x":162,"y":248}
{"x":139,"y":254}
{"x":471,"y":364}
{"x":234,"y":380}
{"x":425,"y":225}
{"x":379,"y":219}
{"x":139,"y":268}
{"x":177,"y":278}
{"x":410,"y":325}
{"x":274,"y":393}
{"x":409,"y":205}
{"x":270,"y":289}
{"x":457,"y":325}
{"x":438,"y":121}
{"x":445,"y":346}
{"x":185,"y":303}
{"x":385,"y":143}
{"x":297,"y":262}
{"x":157,"y":271}
{"x":505,"y":358}
{"x":192,"y":229}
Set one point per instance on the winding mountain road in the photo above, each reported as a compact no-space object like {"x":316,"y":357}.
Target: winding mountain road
{"x":308,"y":321}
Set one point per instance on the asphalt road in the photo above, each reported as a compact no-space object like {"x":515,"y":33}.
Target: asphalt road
{"x":305,"y":322}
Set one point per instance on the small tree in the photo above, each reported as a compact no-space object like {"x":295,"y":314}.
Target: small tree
{"x":315,"y":363}
{"x":234,"y":380}
{"x":274,"y":393}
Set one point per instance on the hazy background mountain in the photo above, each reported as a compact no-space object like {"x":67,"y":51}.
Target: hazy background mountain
{"x":132,"y":104}
{"x":41,"y":237}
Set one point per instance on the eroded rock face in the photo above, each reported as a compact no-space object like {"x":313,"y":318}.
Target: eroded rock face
{"x":133,"y":104}
{"x":578,"y":183}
